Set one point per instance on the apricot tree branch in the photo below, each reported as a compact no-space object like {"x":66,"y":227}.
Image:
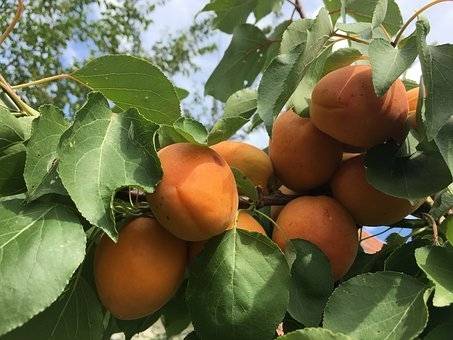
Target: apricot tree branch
{"x":429,"y":219}
{"x":16,"y":99}
{"x":413,"y":17}
{"x":19,"y":10}
{"x":298,"y":8}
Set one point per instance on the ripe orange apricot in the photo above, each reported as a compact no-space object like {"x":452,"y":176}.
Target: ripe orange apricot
{"x":303,"y":157}
{"x":139,"y":274}
{"x":345,"y":106}
{"x":412,"y":98}
{"x":322,"y":221}
{"x":244,"y":221}
{"x":367,"y":205}
{"x":251,"y":161}
{"x":197,"y":197}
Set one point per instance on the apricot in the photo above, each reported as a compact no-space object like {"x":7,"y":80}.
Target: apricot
{"x":276,"y":209}
{"x":322,"y":221}
{"x":367,"y":205}
{"x":139,"y":274}
{"x":197,"y":197}
{"x":244,"y":221}
{"x":303,"y":157}
{"x":251,"y":161}
{"x":345,"y":106}
{"x":412,"y":98}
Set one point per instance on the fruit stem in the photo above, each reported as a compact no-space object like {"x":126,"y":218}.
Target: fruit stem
{"x":43,"y":81}
{"x":413,"y":17}
{"x":429,"y":219}
{"x":19,"y":10}
{"x":348,"y":37}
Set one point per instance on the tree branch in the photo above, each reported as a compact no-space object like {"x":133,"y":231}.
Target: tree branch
{"x":19,"y":10}
{"x":298,"y":8}
{"x":348,"y":37}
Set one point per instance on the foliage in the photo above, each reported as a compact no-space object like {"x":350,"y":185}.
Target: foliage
{"x":64,"y":182}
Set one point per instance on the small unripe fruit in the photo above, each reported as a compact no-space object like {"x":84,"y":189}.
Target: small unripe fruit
{"x":139,"y":274}
{"x":367,"y":205}
{"x":303,"y":157}
{"x":345,"y":106}
{"x":251,"y":161}
{"x":324,"y":222}
{"x":197,"y":197}
{"x":245,"y":221}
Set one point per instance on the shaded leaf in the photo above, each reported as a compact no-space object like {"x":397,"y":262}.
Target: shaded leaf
{"x":102,"y":152}
{"x":132,"y":82}
{"x":402,"y":259}
{"x":378,"y":305}
{"x":314,"y":334}
{"x":232,"y":285}
{"x":240,"y":65}
{"x":311,"y":282}
{"x":10,"y":129}
{"x":444,"y":141}
{"x":406,"y":177}
{"x":264,"y":7}
{"x":355,"y":27}
{"x":12,"y":162}
{"x":442,"y":203}
{"x":295,"y":34}
{"x":436,"y":263}
{"x":41,"y":245}
{"x":245,"y":185}
{"x":175,"y":315}
{"x":441,"y":332}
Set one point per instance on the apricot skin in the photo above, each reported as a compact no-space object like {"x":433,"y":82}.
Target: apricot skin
{"x":324,"y":222}
{"x":251,"y":161}
{"x":412,"y":98}
{"x":197,"y":197}
{"x":245,"y":221}
{"x":345,"y":106}
{"x":367,"y":205}
{"x":303,"y":157}
{"x":139,"y":274}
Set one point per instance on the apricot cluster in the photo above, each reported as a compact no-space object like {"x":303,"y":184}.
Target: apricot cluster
{"x":317,"y":160}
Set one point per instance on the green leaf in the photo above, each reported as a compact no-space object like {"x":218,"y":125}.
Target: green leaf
{"x":447,"y":227}
{"x":355,"y":27}
{"x":410,"y":84}
{"x":26,"y":123}
{"x":300,"y":99}
{"x":284,"y":74}
{"x":264,"y":7}
{"x":230,"y":13}
{"x":437,"y":70}
{"x":10,"y":129}
{"x":184,"y":130}
{"x":242,"y":62}
{"x":340,"y":58}
{"x":132,"y":82}
{"x":380,"y":305}
{"x":442,"y":203}
{"x":239,"y":108}
{"x":444,"y":141}
{"x":295,"y":34}
{"x":406,"y":177}
{"x":440,"y":332}
{"x":311,"y":282}
{"x":436,"y":263}
{"x":40,"y":166}
{"x":77,"y":314}
{"x":238,"y":287}
{"x":402,"y":259}
{"x":132,"y":327}
{"x":182,"y":93}
{"x":12,"y":162}
{"x":102,"y":152}
{"x":364,"y":11}
{"x":245,"y":185}
{"x":314,"y":334}
{"x":379,"y":14}
{"x":41,"y":245}
{"x":175,"y":314}
{"x":388,"y":62}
